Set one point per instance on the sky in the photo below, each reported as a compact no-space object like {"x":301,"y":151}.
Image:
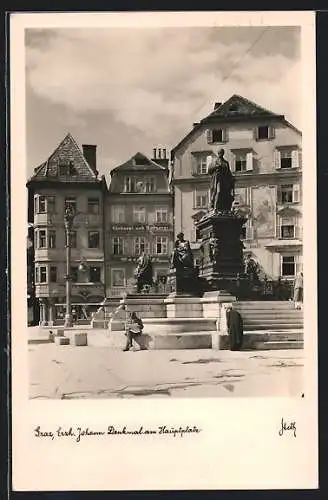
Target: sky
{"x":129,"y":89}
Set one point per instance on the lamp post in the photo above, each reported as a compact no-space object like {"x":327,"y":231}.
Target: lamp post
{"x":68,"y":219}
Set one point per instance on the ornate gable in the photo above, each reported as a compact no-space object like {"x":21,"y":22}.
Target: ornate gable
{"x":66,"y":164}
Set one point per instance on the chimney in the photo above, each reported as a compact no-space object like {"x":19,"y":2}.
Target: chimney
{"x":90,"y":154}
{"x":154,"y":153}
{"x":217,"y":105}
{"x":164,"y":154}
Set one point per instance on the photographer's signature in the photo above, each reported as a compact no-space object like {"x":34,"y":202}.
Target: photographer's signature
{"x":287,"y":427}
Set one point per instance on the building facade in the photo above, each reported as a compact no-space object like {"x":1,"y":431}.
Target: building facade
{"x":68,"y":177}
{"x":264,"y":153}
{"x":139,"y":218}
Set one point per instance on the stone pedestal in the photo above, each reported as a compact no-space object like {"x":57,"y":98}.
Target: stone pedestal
{"x":212,"y":301}
{"x":222,"y":249}
{"x":184,"y":283}
{"x":146,"y":305}
{"x":183,"y":306}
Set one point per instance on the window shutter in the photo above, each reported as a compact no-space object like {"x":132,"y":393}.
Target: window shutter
{"x":296,"y":193}
{"x":276,"y":158}
{"x":279,"y":195}
{"x":210,"y":136}
{"x":279,"y":235}
{"x":152,"y":217}
{"x":193,"y":165}
{"x":295,"y":158}
{"x":272,"y":132}
{"x":232,"y":158}
{"x":249,"y":161}
{"x":256,"y":133}
{"x":225,"y":135}
{"x":209,"y":160}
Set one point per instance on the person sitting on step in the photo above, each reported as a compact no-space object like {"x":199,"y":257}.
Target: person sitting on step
{"x":133,"y":329}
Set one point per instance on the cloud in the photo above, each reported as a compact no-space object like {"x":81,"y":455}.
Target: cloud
{"x":159,"y":81}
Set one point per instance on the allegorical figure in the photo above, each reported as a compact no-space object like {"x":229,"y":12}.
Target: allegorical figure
{"x":144,"y":272}
{"x":213,"y":247}
{"x":182,"y":259}
{"x":221,"y":184}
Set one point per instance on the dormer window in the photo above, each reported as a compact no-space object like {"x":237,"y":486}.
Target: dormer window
{"x":67,"y":168}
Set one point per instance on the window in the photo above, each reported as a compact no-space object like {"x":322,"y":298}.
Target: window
{"x":93,"y":239}
{"x":43,"y":274}
{"x":240,"y":162}
{"x":161,"y":245}
{"x":37,"y":275}
{"x":287,"y":230}
{"x":286,"y":158}
{"x":216,"y":135}
{"x":139,"y":214}
{"x":93,"y":206}
{"x":263,"y":132}
{"x":118,"y":245}
{"x":42,"y":204}
{"x":73,"y":239}
{"x":42,"y":238}
{"x":150,"y":185}
{"x":140,"y":245}
{"x":118,"y":213}
{"x":51,"y":238}
{"x":118,"y":277}
{"x":95,"y":274}
{"x":201,"y":199}
{"x":71,"y":203}
{"x":73,"y":273}
{"x":161,"y":215}
{"x":289,"y":193}
{"x":201,"y":165}
{"x":53,"y":274}
{"x":128,"y":184}
{"x":288,"y":265}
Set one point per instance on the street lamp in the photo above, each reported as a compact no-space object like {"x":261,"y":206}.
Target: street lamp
{"x":68,"y":219}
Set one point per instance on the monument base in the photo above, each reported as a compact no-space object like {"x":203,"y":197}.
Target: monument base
{"x":222,"y":251}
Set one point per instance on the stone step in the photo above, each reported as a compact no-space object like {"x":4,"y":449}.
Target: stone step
{"x":283,"y":344}
{"x":271,"y":314}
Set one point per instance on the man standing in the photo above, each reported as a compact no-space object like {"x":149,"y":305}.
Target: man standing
{"x":298,"y":291}
{"x":235,"y":328}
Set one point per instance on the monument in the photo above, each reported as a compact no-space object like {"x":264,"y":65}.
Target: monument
{"x":220,"y":231}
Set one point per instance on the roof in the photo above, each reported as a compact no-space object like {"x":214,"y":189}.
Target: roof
{"x":138,"y":162}
{"x":236,"y":108}
{"x":69,"y":156}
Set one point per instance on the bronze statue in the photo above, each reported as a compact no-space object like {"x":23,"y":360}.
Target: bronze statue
{"x":221,"y":184}
{"x":144,"y":272}
{"x":182,"y":259}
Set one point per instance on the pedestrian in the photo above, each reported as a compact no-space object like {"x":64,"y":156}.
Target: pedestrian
{"x":298,"y":291}
{"x":235,"y":328}
{"x":133,"y":329}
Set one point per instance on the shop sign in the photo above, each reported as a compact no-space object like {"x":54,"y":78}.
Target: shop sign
{"x":142,"y":227}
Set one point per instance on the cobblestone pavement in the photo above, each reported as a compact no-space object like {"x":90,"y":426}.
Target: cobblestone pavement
{"x":68,"y":372}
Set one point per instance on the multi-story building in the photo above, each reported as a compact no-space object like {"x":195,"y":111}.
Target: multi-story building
{"x":68,"y":178}
{"x":139,"y":218}
{"x":264,"y":152}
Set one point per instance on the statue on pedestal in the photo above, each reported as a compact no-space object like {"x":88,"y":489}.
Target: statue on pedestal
{"x":221,"y":185}
{"x":182,"y":261}
{"x":144,"y":272}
